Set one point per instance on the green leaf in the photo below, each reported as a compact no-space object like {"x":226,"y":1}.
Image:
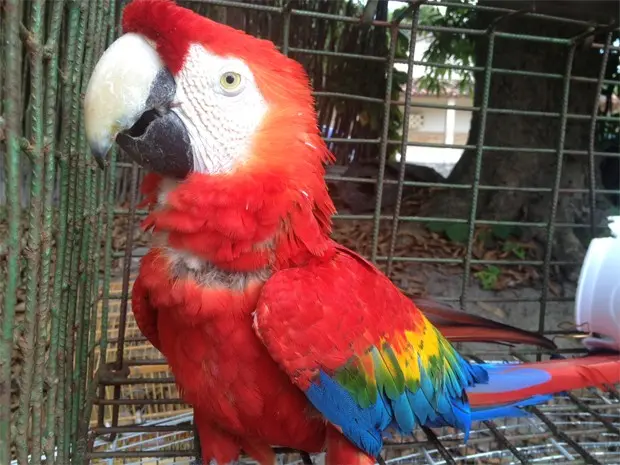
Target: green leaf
{"x":515,"y":248}
{"x":458,"y":232}
{"x":488,"y":277}
{"x":502,"y":231}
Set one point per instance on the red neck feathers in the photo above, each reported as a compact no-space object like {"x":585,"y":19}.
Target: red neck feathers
{"x":245,"y":221}
{"x":273,"y":209}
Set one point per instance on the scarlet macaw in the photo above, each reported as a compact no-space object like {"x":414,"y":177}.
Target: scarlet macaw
{"x":276,"y":334}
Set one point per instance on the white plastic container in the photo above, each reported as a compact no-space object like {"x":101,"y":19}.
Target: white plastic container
{"x":597,"y":303}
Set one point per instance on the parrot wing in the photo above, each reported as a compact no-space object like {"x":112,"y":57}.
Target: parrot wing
{"x":361,"y":351}
{"x":459,"y":326}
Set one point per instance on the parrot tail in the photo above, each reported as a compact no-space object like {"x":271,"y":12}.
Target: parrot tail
{"x":459,"y":326}
{"x":512,"y":386}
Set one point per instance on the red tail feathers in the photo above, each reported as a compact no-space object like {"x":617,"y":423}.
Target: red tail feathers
{"x":459,"y":326}
{"x":510,"y":383}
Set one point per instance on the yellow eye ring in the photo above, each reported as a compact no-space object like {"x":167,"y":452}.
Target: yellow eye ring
{"x":230,"y":81}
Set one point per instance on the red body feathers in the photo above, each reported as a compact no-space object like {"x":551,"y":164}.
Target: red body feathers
{"x":221,"y":367}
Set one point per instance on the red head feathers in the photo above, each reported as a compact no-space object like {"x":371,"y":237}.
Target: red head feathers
{"x":174,"y":29}
{"x":282,"y":81}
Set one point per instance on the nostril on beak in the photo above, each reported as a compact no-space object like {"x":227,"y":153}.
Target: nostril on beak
{"x":160,"y":142}
{"x":140,"y":126}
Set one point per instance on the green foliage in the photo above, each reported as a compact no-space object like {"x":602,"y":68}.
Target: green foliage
{"x":515,"y":248}
{"x":447,"y":48}
{"x":503,"y":232}
{"x":488,"y":277}
{"x":486,"y":237}
{"x":456,"y":232}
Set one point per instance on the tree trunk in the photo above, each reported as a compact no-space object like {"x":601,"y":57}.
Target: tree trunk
{"x":520,"y":168}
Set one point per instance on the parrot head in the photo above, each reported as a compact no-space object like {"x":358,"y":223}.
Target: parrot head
{"x":226,"y":125}
{"x":182,"y":94}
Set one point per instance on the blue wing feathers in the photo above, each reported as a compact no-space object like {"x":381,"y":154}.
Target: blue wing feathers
{"x":430,"y":405}
{"x":403,"y":414}
{"x":362,"y":426}
{"x":422,"y":408}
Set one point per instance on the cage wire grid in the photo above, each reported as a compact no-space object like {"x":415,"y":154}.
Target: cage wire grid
{"x":99,"y":367}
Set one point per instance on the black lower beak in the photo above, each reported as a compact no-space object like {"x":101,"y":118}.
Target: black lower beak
{"x":159,"y":142}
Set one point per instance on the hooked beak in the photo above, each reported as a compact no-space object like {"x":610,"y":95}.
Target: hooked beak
{"x":129,"y":100}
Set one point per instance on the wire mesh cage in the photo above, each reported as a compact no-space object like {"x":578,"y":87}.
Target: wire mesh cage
{"x":476,"y":149}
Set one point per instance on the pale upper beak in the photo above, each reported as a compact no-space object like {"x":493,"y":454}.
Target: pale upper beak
{"x":128,"y":100}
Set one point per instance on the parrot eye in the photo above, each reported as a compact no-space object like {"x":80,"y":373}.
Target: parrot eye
{"x":231,"y":82}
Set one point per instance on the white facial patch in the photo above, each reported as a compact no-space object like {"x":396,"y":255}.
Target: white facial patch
{"x":221,"y":118}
